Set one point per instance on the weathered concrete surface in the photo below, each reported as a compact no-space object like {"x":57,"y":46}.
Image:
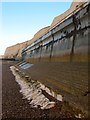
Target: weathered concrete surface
{"x":40,"y":33}
{"x":67,"y":79}
{"x":15,"y":50}
{"x":60,"y":18}
{"x":14,"y":107}
{"x":67,"y":41}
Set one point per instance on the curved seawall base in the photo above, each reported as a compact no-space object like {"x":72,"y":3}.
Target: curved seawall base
{"x":70,"y":79}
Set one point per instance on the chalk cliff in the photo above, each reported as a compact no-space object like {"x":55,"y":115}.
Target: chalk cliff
{"x":66,"y":14}
{"x":15,"y":50}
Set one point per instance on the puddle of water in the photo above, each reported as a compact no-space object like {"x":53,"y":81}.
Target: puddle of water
{"x":25,"y":65}
{"x":22,"y":64}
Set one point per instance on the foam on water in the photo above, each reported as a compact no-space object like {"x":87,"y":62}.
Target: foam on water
{"x":32,"y":91}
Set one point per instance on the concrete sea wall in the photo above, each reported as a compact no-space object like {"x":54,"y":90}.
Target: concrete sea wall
{"x":65,"y":40}
{"x":68,"y":41}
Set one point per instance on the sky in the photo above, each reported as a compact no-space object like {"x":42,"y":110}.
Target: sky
{"x":21,"y":20}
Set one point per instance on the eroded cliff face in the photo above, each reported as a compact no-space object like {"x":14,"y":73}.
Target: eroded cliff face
{"x":66,"y":14}
{"x":15,"y":50}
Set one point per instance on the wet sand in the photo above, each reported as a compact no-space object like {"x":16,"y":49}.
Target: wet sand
{"x":14,"y":107}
